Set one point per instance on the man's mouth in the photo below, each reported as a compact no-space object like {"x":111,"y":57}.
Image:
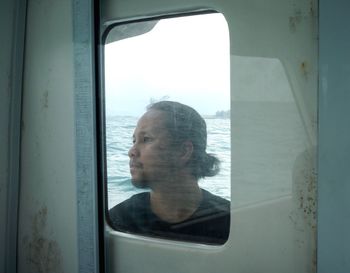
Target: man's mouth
{"x":135,"y":165}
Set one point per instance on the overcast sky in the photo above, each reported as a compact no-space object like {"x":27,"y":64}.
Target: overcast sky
{"x":183,"y":59}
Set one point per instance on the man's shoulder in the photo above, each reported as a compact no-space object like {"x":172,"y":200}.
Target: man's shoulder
{"x":215,"y":201}
{"x":133,"y":202}
{"x":125,"y":215}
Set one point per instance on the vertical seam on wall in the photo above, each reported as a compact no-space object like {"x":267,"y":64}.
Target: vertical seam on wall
{"x":85,"y":135}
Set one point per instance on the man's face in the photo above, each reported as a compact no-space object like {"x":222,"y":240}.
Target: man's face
{"x":152,"y":157}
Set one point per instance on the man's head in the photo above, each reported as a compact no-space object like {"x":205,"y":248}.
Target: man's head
{"x":170,"y":137}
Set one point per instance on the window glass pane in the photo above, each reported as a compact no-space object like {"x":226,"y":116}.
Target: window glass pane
{"x":167,"y":101}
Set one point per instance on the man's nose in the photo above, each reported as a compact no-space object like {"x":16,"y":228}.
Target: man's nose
{"x":133,"y":151}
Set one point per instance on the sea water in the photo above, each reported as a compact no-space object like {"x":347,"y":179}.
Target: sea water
{"x":119,"y":131}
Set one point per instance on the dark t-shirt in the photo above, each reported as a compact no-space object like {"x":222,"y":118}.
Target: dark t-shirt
{"x":210,"y":223}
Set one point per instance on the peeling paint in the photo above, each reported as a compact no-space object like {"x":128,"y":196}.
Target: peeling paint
{"x":42,"y":254}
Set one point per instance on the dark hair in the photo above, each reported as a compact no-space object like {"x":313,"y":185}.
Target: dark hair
{"x":184,"y":123}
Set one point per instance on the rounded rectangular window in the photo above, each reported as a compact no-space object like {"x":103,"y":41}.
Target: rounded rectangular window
{"x":168,"y":152}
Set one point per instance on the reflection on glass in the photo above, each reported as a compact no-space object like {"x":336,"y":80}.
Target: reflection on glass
{"x":161,"y":179}
{"x":168,"y":156}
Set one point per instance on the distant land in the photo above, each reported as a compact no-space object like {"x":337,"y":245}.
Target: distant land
{"x":219,"y":114}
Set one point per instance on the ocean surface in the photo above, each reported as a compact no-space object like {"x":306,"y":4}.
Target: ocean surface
{"x":119,"y":131}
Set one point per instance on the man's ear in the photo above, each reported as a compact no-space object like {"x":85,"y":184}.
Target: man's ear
{"x":186,"y":151}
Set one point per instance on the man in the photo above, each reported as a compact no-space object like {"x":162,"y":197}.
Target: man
{"x":169,"y":156}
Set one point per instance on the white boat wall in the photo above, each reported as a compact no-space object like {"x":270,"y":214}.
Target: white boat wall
{"x":289,"y":117}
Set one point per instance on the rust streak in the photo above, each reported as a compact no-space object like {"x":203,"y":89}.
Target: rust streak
{"x":43,"y":254}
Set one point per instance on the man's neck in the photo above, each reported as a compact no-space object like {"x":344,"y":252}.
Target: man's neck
{"x":177,"y":202}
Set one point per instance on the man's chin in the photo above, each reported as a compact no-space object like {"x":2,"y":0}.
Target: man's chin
{"x":140,"y":184}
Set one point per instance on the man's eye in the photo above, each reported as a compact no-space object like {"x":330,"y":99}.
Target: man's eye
{"x":146,"y":139}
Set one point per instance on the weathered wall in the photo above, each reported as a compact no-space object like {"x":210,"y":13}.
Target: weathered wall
{"x":47,"y":225}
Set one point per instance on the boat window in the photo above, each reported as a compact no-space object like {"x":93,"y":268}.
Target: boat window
{"x":167,"y":126}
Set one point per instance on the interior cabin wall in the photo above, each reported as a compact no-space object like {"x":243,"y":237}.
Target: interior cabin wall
{"x":47,"y":230}
{"x":47,"y":227}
